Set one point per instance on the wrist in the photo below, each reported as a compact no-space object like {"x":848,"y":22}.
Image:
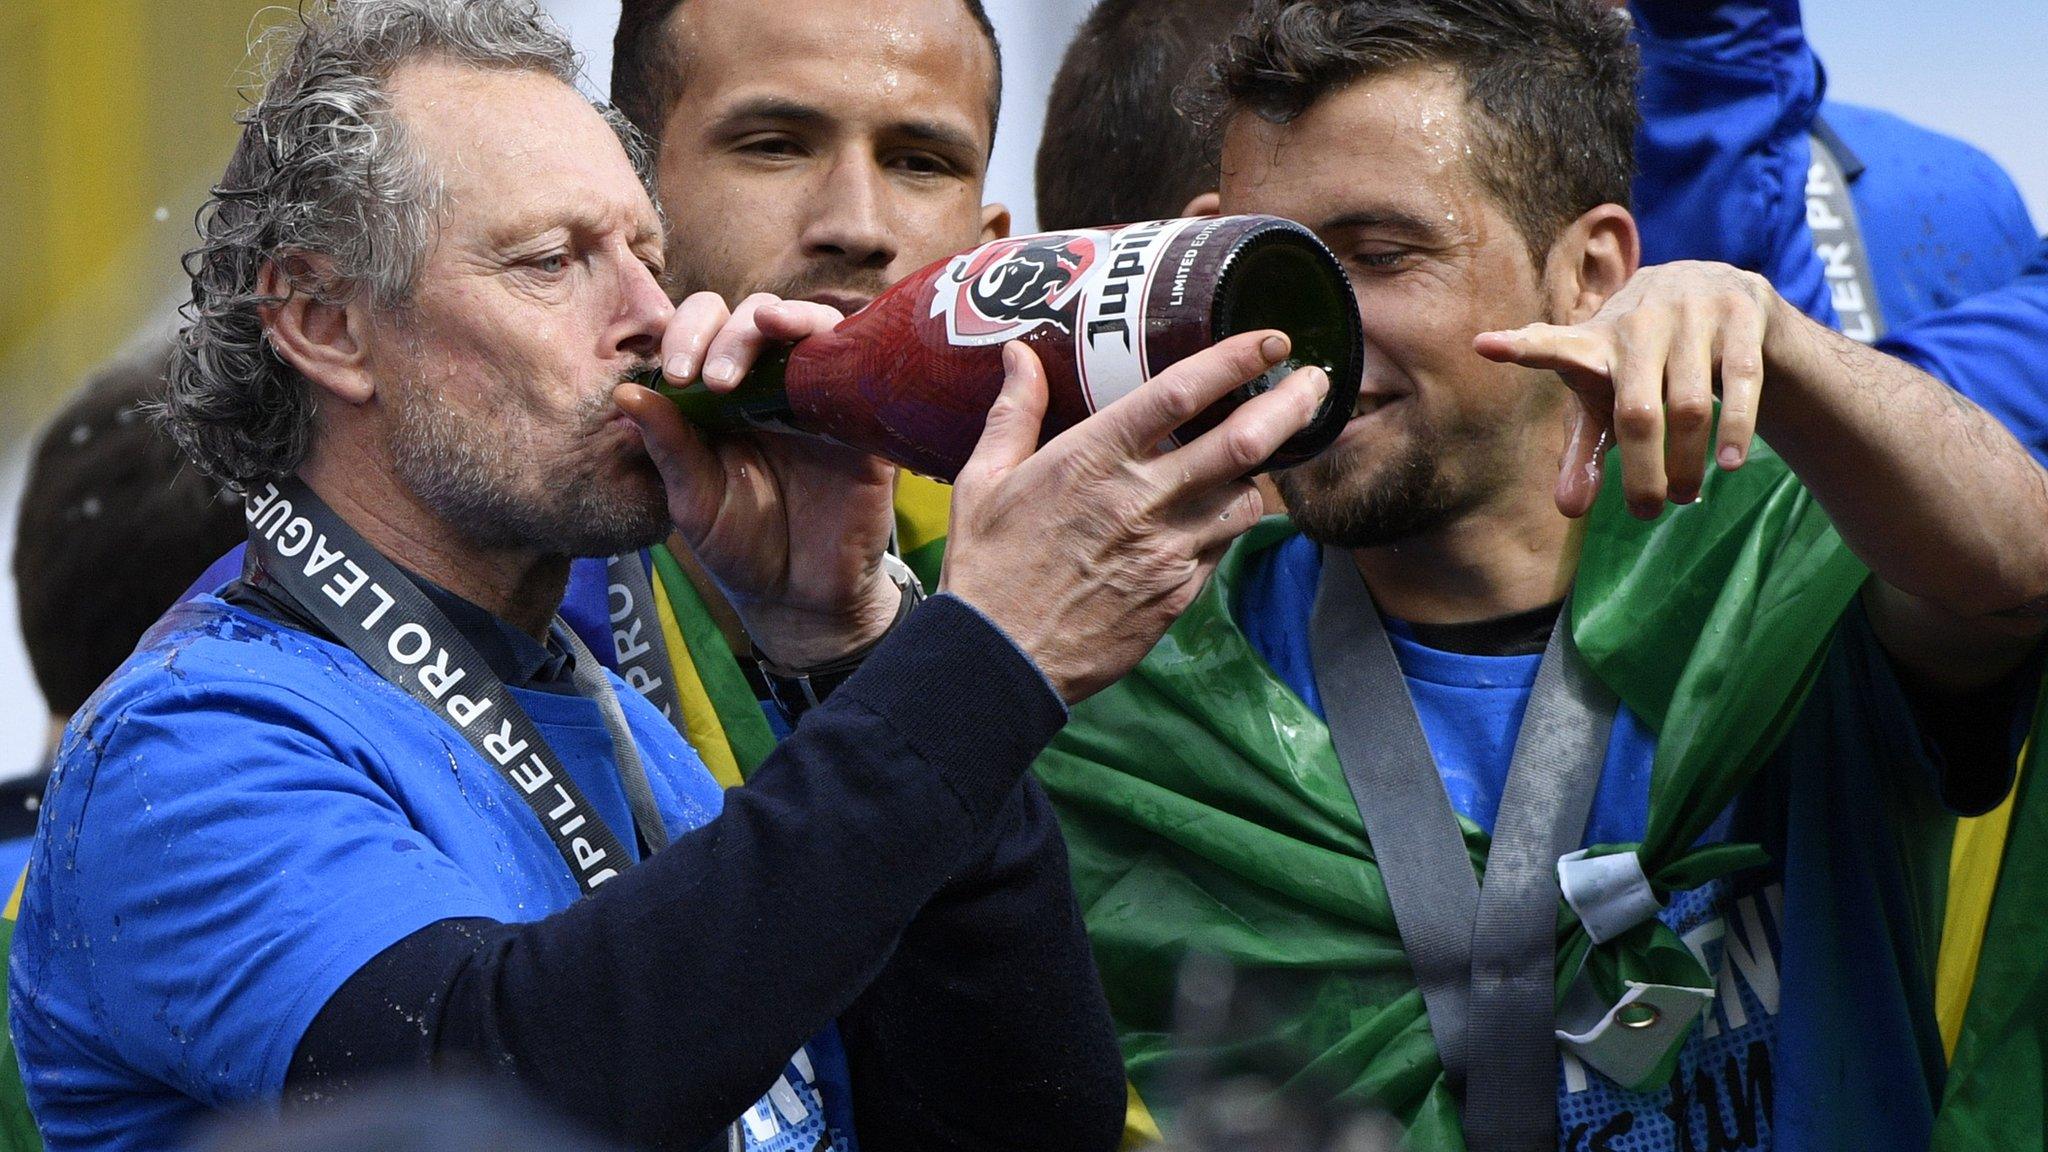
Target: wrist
{"x":1792,"y":345}
{"x":802,"y":638}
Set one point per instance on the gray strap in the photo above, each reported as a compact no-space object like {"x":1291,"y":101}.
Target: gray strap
{"x":1415,"y":835}
{"x":1511,"y":1090}
{"x":592,"y":683}
{"x":637,"y":639}
{"x":1484,"y":957}
{"x":1838,"y":236}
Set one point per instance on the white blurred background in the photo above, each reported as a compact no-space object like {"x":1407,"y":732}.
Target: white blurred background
{"x":1970,"y":70}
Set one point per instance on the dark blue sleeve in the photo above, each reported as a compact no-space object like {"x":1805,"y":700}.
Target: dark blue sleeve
{"x":1991,"y":348}
{"x":1728,"y":92}
{"x":885,"y":863}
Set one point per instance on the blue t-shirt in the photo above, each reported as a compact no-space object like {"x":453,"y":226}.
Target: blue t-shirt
{"x":240,"y":819}
{"x":1821,"y":1035}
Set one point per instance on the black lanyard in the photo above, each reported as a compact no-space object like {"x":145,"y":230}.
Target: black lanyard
{"x":375,"y":610}
{"x":1485,"y":957}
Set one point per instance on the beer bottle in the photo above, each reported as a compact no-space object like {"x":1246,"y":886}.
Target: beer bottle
{"x":911,"y":376}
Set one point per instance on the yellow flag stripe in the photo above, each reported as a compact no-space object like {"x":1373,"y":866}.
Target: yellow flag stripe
{"x":1973,"y":866}
{"x":1140,"y":1128}
{"x":13,"y":911}
{"x":700,"y":719}
{"x":922,"y":508}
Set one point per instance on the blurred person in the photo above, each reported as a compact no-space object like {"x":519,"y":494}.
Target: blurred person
{"x":113,"y":525}
{"x":394,"y":816}
{"x":1117,"y":148}
{"x":409,"y":1116}
{"x":1862,"y":218}
{"x":1827,"y":647}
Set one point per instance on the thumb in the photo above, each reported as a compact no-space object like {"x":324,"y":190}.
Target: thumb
{"x":1010,"y":435}
{"x":690,"y":471}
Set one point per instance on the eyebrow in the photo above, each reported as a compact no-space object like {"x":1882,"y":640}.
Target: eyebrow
{"x":787,"y":111}
{"x":1390,"y":220}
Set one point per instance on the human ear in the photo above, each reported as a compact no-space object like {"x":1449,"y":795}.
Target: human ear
{"x":324,"y":342}
{"x":995,"y":222}
{"x":1590,"y":262}
{"x":1206,"y":204}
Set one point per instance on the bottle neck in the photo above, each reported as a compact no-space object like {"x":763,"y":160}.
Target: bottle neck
{"x":759,"y":399}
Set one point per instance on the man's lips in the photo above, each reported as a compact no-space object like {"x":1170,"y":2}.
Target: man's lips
{"x":847,"y":303}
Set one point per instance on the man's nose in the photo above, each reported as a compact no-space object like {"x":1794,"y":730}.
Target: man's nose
{"x":643,"y":312}
{"x":850,"y":223}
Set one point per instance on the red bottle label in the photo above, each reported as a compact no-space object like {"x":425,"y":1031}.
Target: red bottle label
{"x":1095,"y":287}
{"x":1010,"y":289}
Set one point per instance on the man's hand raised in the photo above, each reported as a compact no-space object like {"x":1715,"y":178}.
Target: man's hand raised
{"x":792,"y":528}
{"x":1646,"y":368}
{"x":1085,"y":550}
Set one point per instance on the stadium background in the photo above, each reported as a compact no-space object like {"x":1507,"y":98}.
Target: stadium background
{"x":114,"y":116}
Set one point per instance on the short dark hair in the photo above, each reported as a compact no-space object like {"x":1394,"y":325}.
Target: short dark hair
{"x":648,"y":71}
{"x":115,"y":524}
{"x":1117,"y":148}
{"x":1550,"y":84}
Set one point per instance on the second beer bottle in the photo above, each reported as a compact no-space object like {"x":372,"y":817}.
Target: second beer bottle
{"x":911,"y":377}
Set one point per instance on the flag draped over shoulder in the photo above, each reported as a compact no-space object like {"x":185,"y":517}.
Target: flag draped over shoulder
{"x":1206,"y":813}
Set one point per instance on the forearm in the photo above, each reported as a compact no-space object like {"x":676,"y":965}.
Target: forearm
{"x":1936,"y":496}
{"x":664,"y":1004}
{"x":988,"y":1028}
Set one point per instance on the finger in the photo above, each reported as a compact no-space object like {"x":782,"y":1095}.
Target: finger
{"x":737,"y":344}
{"x":1689,"y":405}
{"x":1137,"y":422}
{"x":1639,"y":412}
{"x":1740,"y":354}
{"x":1574,"y":349}
{"x":1010,"y":435}
{"x":1585,"y":459}
{"x":1248,"y":437}
{"x":696,"y":320}
{"x":789,"y":321}
{"x":690,"y":471}
{"x":1219,"y":515}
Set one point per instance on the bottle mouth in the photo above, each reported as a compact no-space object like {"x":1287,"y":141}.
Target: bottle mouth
{"x":1281,"y":276}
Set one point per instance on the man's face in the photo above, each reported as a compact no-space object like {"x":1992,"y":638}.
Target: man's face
{"x":1381,"y":170}
{"x":824,"y":150}
{"x":538,"y":295}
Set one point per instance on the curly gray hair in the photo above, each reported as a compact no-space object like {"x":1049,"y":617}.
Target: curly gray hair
{"x":323,"y":169}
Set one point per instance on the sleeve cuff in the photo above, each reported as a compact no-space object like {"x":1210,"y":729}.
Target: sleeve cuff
{"x":964,"y":696}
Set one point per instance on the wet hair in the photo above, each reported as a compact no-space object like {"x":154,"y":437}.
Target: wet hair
{"x":323,"y":169}
{"x":1117,"y":148}
{"x":649,"y":69}
{"x":1550,"y":87}
{"x":114,"y":526}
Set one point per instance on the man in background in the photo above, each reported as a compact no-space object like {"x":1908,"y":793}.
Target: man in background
{"x":1117,"y":148}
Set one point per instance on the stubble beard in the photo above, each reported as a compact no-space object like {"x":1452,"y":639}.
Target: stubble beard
{"x":1338,"y":499}
{"x":474,"y":478}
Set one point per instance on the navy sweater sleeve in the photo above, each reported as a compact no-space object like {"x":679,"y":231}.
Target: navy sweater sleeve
{"x":890,"y":840}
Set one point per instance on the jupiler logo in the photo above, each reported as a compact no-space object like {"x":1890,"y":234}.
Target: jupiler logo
{"x":1004,"y":291}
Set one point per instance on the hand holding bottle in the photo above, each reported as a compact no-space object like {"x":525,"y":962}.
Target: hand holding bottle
{"x":1085,"y":550}
{"x":792,"y":528}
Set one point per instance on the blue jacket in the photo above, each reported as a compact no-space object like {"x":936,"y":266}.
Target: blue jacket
{"x":1730,"y":91}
